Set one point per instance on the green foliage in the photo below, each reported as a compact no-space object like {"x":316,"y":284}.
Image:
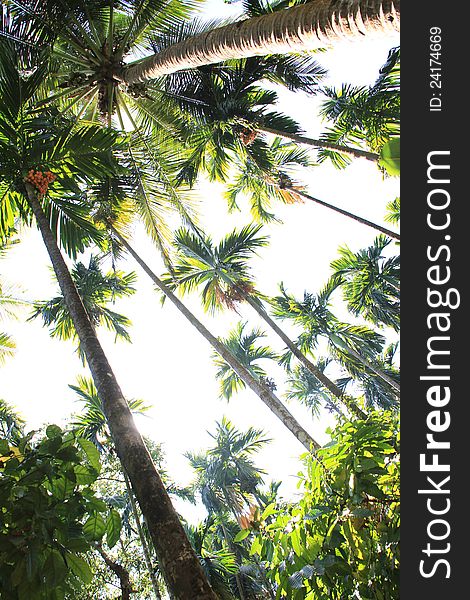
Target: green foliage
{"x":51,"y":517}
{"x":97,"y":290}
{"x":364,"y":115}
{"x":244,"y":346}
{"x":390,"y":156}
{"x":370,"y":282}
{"x":341,"y":539}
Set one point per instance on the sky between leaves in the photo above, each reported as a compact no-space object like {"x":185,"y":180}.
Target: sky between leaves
{"x":169,"y":365}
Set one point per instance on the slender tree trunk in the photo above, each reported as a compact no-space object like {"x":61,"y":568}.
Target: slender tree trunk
{"x":316,"y":24}
{"x":384,"y":230}
{"x":300,"y":139}
{"x":121,"y":573}
{"x":143,"y":541}
{"x":264,"y":393}
{"x":180,"y":566}
{"x":379,"y":372}
{"x":315,"y":371}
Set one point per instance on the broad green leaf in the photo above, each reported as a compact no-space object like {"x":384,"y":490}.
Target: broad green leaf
{"x":55,"y":569}
{"x":241,"y":535}
{"x":79,"y":567}
{"x":85,"y":475}
{"x":91,"y":453}
{"x":53,"y":431}
{"x":113,"y":527}
{"x":94,"y":527}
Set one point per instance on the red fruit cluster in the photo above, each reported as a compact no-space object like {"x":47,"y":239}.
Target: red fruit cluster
{"x":40,"y":180}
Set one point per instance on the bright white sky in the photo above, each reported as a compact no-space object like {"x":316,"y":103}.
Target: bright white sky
{"x":168,"y":364}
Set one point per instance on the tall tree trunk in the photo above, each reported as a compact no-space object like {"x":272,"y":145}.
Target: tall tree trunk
{"x":315,"y":371}
{"x":300,"y":139}
{"x":180,"y":566}
{"x":261,"y":390}
{"x":143,"y":541}
{"x":316,"y":24}
{"x":379,"y":372}
{"x":302,"y":194}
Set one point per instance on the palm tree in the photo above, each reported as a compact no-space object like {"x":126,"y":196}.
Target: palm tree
{"x":370,"y":283}
{"x":96,"y":290}
{"x":263,"y":391}
{"x":102,"y":35}
{"x":364,"y":115}
{"x":263,"y":176}
{"x":224,"y":274}
{"x":376,"y":392}
{"x":227,"y":477}
{"x":243,"y":346}
{"x":28,"y":142}
{"x":354,"y":346}
{"x":305,"y":388}
{"x":224,"y":109}
{"x":218,"y":563}
{"x":11,"y":423}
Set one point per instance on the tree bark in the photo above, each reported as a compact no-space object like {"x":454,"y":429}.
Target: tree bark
{"x":375,"y":226}
{"x":143,"y":541}
{"x":261,"y":390}
{"x":121,"y":573}
{"x":300,"y":139}
{"x":349,"y":403}
{"x":316,"y":24}
{"x":180,"y":566}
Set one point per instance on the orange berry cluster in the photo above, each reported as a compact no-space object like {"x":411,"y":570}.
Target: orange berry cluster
{"x":40,"y":180}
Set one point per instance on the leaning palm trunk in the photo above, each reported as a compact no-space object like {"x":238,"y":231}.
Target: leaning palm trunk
{"x":379,"y":372}
{"x":300,"y":139}
{"x":316,"y":24}
{"x":357,"y":218}
{"x":261,"y":390}
{"x":180,"y":566}
{"x":349,"y":403}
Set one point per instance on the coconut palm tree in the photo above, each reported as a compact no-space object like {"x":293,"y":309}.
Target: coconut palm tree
{"x":355,"y":346}
{"x":224,"y":275}
{"x":370,"y":283}
{"x":96,"y":290}
{"x":105,"y":33}
{"x":43,"y":160}
{"x":263,"y":391}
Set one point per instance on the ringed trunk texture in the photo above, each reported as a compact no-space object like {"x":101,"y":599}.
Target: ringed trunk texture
{"x":300,"y":139}
{"x":366,"y":222}
{"x":316,"y":372}
{"x":180,"y":566}
{"x":261,"y":390}
{"x":316,"y":24}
